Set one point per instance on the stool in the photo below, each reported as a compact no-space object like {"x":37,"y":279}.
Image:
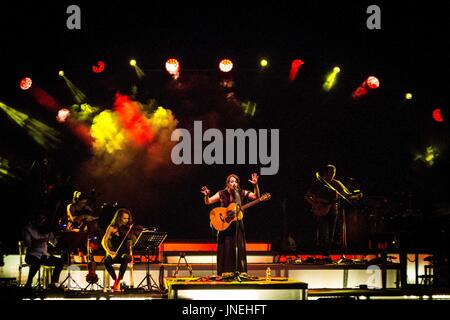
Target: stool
{"x":46,"y":275}
{"x":428,"y":277}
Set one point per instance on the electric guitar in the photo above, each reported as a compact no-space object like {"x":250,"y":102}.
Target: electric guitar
{"x":221,"y":217}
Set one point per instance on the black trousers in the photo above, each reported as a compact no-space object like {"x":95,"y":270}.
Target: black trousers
{"x":123,"y":259}
{"x":35,"y":263}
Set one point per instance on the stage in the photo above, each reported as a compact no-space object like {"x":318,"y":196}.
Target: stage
{"x":179,"y":274}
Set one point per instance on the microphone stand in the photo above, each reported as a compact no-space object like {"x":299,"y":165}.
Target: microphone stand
{"x":343,"y":259}
{"x":238,"y":201}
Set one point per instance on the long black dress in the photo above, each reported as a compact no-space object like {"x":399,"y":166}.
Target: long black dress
{"x":226,"y":240}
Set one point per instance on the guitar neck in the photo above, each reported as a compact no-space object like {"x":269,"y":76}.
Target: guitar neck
{"x":245,"y":206}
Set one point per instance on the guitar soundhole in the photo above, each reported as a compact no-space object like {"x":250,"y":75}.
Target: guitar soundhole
{"x":230,"y":216}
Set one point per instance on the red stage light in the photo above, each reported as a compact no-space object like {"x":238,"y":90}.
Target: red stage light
{"x":437,"y":116}
{"x":99,"y":68}
{"x":373,"y":82}
{"x":295,"y":65}
{"x":25,"y":83}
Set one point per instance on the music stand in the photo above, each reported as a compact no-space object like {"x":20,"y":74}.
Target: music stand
{"x":149,"y":241}
{"x":72,"y":241}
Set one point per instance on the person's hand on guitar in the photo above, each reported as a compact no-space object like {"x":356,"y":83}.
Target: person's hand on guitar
{"x":254,"y":179}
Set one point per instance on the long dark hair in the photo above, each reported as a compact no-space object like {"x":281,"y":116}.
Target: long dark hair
{"x":116,"y":219}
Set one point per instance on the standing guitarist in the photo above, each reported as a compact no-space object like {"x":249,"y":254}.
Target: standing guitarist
{"x":232,"y":240}
{"x":324,"y":205}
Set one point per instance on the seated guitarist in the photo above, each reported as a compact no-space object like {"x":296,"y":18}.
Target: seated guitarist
{"x":324,"y":206}
{"x":79,"y":213}
{"x":234,"y":236}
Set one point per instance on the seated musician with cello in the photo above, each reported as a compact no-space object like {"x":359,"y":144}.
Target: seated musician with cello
{"x":117,"y":243}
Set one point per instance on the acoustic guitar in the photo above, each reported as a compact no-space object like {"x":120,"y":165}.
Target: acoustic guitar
{"x":321,"y":207}
{"x":221,"y":217}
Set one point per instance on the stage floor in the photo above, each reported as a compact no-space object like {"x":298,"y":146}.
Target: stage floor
{"x":251,"y":288}
{"x":274,"y":291}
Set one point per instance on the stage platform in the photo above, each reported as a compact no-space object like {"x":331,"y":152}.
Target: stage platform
{"x":295,"y":276}
{"x":278,"y":288}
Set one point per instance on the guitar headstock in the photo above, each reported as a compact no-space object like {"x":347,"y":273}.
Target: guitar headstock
{"x":265,"y":197}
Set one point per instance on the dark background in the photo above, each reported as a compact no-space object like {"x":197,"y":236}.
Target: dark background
{"x":372,"y":141}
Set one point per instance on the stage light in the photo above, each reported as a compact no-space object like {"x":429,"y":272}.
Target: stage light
{"x":437,"y":116}
{"x":61,"y":73}
{"x":25,"y":83}
{"x":264,"y":63}
{"x":369,"y":84}
{"x":331,"y":79}
{"x":429,"y":156}
{"x":408,"y":96}
{"x":138,"y":70}
{"x":63,"y":114}
{"x":76,"y":92}
{"x":172,"y":66}
{"x":44,"y":135}
{"x":295,"y":65}
{"x":99,"y":67}
{"x":225,"y":65}
{"x":359,"y":92}
{"x":372,"y":82}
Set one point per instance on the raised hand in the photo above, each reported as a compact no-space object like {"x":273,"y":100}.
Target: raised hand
{"x":205,"y":191}
{"x":254,"y":179}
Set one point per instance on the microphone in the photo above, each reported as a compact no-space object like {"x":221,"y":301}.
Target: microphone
{"x":317,"y":175}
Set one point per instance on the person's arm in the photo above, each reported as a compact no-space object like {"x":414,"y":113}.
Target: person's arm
{"x":27,"y":237}
{"x":350,"y":195}
{"x":52,"y":239}
{"x":255,"y":194}
{"x":207,"y":199}
{"x":342,"y":188}
{"x":105,"y":241}
{"x":69,"y":212}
